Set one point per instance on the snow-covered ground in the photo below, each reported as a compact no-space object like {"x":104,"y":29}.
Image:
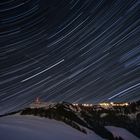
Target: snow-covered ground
{"x":123,"y":133}
{"x":34,"y":128}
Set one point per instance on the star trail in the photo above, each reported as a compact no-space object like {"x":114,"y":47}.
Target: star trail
{"x":79,"y":51}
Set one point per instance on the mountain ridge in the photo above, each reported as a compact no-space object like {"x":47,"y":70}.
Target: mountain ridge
{"x":94,"y":118}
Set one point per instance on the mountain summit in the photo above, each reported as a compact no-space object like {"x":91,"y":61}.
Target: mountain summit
{"x":95,"y":118}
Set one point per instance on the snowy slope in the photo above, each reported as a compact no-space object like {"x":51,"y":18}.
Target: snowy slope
{"x":123,"y":133}
{"x":34,"y":128}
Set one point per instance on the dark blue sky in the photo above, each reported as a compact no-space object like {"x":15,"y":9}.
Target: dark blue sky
{"x":69,"y":50}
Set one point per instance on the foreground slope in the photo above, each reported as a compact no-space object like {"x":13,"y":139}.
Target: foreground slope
{"x":36,"y":128}
{"x":95,"y":118}
{"x":66,"y":122}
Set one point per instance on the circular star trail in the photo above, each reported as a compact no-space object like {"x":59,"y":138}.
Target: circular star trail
{"x":82,"y":51}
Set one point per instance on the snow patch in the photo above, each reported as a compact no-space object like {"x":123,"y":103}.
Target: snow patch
{"x":121,"y":132}
{"x":35,"y":128}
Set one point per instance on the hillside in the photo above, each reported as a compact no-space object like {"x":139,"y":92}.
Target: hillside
{"x":113,"y":123}
{"x":36,"y":128}
{"x":95,"y":118}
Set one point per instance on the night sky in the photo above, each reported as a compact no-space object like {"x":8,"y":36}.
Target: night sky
{"x":79,"y":51}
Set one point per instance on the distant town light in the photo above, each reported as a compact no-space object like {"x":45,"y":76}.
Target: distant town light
{"x":103,"y":104}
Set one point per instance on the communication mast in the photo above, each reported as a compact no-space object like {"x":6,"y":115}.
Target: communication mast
{"x":37,"y":102}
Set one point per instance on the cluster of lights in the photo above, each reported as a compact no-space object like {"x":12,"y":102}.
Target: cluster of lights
{"x":113,"y":104}
{"x":86,"y":105}
{"x":104,"y":104}
{"x":75,"y":104}
{"x":37,"y":103}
